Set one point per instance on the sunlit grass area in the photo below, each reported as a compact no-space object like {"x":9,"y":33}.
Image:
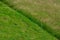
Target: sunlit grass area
{"x":15,"y":26}
{"x":40,"y":11}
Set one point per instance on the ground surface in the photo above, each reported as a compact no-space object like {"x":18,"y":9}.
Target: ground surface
{"x":41,"y":12}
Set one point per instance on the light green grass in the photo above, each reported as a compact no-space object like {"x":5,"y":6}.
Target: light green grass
{"x":15,"y":26}
{"x":45,"y":11}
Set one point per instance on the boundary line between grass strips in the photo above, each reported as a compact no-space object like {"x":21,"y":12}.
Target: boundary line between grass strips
{"x":42,"y":25}
{"x":39,"y":23}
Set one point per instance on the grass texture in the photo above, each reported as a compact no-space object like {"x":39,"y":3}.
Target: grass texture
{"x":41,"y":12}
{"x":15,"y":26}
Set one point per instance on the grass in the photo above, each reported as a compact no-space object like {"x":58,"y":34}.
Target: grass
{"x":15,"y":26}
{"x":42,"y":12}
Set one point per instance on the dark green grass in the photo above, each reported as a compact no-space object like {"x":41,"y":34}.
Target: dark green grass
{"x":15,"y":26}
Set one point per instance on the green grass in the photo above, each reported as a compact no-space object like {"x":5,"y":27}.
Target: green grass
{"x":15,"y":26}
{"x":40,"y":11}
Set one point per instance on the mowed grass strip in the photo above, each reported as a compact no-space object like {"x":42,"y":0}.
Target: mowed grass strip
{"x":15,"y":26}
{"x":45,"y":11}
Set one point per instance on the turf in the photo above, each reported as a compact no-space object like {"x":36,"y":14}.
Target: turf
{"x":42,"y":12}
{"x":15,"y":26}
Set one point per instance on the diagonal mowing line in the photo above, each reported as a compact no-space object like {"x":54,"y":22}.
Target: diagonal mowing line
{"x":19,"y":16}
{"x":35,"y":21}
{"x":39,"y":23}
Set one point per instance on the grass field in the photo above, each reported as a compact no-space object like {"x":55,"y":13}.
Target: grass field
{"x":15,"y":26}
{"x":41,"y":12}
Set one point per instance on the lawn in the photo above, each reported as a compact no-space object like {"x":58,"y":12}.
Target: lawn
{"x":41,"y":12}
{"x":15,"y":26}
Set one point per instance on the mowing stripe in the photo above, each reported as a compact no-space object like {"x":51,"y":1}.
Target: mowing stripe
{"x":15,"y":26}
{"x":44,"y":25}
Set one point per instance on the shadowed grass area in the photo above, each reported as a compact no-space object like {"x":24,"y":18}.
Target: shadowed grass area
{"x":15,"y":26}
{"x":42,"y":12}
